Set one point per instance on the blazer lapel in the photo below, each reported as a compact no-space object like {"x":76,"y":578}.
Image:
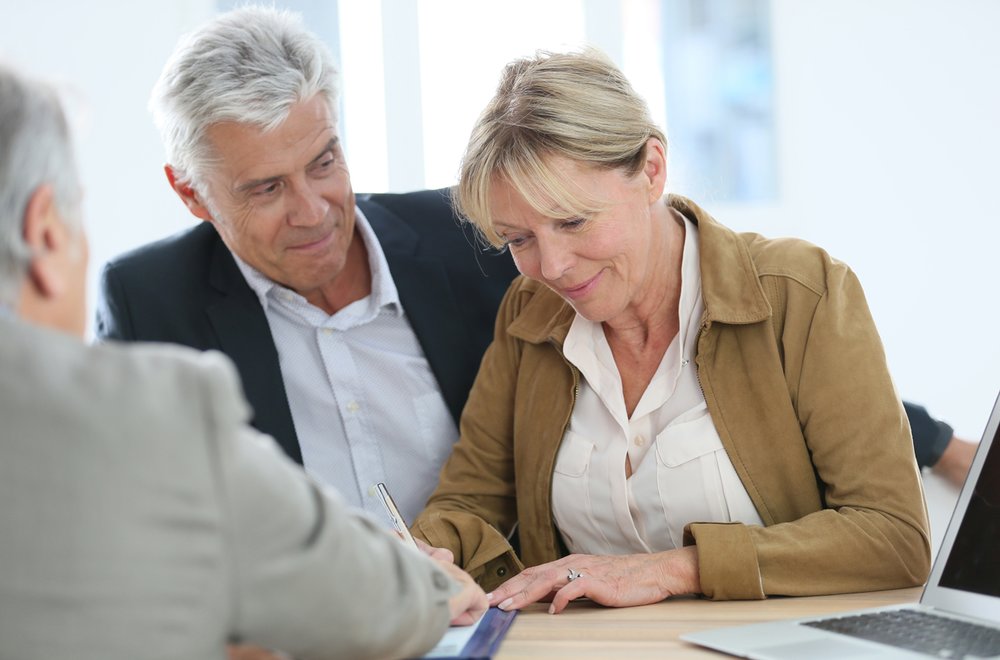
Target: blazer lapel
{"x":433,"y":313}
{"x":244,"y":335}
{"x":429,"y":303}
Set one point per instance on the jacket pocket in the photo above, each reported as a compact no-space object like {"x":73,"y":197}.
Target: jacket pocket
{"x":571,"y":506}
{"x":573,"y":458}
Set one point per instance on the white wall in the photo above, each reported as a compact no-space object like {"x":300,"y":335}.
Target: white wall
{"x":888,"y":139}
{"x":106,"y":55}
{"x":887,"y":114}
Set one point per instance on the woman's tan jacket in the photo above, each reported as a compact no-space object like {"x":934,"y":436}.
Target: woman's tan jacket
{"x":796,"y":382}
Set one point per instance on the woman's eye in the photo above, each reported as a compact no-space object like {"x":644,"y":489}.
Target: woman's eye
{"x":573,"y":223}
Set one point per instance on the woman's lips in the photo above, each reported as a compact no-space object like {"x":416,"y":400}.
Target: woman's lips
{"x":581,"y":290}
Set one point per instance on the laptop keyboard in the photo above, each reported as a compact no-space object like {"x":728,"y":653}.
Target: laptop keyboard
{"x":918,"y":631}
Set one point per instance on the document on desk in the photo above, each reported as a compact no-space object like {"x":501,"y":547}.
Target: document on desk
{"x":476,"y":642}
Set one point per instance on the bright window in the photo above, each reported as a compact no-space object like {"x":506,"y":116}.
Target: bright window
{"x":417,"y":73}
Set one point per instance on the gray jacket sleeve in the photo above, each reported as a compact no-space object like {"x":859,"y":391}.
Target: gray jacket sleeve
{"x":311,"y":577}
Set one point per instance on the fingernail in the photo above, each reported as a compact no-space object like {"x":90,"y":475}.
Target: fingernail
{"x":504,"y":605}
{"x":489,"y":596}
{"x":552,"y":609}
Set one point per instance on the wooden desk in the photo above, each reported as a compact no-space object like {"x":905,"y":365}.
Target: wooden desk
{"x":586,"y":630}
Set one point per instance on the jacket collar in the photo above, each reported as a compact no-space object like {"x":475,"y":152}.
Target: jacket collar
{"x":730,"y":283}
{"x":730,"y":286}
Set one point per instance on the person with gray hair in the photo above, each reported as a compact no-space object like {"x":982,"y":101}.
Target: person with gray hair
{"x":668,"y":407}
{"x":357,"y":323}
{"x":142,"y":516}
{"x":36,"y":148}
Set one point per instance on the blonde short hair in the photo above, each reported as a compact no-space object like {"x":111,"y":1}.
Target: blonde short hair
{"x":573,"y":105}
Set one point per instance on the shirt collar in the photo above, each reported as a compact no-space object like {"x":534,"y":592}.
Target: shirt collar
{"x":383,"y":295}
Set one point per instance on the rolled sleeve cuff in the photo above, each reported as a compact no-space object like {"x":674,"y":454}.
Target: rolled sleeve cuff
{"x":727,"y":561}
{"x":479,"y":549}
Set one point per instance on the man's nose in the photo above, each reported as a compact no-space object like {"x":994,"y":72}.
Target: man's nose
{"x":307,"y":206}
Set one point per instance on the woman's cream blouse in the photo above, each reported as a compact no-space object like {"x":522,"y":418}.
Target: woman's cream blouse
{"x":680,"y":471}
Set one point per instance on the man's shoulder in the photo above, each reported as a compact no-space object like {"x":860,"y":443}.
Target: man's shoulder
{"x":92,"y":380}
{"x":424,"y":224}
{"x":206,"y":381}
{"x":420,"y":215}
{"x":410,"y":205}
{"x":167,"y":363}
{"x":191,"y":245}
{"x":162,"y":279}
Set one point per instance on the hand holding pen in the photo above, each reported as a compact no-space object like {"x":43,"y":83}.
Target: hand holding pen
{"x":469,"y":604}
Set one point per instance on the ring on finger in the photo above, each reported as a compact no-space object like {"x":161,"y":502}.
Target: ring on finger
{"x":573,"y":575}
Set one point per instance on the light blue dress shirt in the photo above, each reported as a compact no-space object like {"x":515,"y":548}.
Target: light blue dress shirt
{"x":365,"y":404}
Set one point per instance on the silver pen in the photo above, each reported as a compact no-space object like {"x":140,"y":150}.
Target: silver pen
{"x":394,"y":514}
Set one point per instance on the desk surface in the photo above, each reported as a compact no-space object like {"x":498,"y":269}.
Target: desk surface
{"x":586,"y":630}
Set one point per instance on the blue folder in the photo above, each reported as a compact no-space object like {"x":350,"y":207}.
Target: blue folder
{"x":489,"y":632}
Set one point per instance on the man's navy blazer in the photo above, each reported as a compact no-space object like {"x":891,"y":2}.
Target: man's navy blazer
{"x":187,"y":289}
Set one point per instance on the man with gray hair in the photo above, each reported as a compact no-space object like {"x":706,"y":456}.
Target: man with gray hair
{"x":357,"y":325}
{"x":142,"y":516}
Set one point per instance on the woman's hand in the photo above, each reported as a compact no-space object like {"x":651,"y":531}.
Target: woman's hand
{"x":615,"y":580}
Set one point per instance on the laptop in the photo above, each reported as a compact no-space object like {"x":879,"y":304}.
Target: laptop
{"x":958,"y":615}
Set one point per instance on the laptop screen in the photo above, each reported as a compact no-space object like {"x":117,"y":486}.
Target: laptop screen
{"x":974,"y":561}
{"x":966,"y":576}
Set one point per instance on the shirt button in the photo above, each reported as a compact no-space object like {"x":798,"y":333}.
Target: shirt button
{"x":327,"y":331}
{"x":353,"y":407}
{"x":639,"y":441}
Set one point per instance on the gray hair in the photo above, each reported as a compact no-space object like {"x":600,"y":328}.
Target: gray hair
{"x":575,"y":105}
{"x":35,"y":149}
{"x":248,"y":66}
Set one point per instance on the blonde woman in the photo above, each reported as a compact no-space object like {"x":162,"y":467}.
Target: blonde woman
{"x":668,"y":407}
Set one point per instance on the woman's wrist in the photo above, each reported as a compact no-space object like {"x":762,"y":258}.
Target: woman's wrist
{"x":679,"y":574}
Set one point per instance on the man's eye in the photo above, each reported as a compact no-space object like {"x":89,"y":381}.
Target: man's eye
{"x":324,"y":164}
{"x":268,"y":189}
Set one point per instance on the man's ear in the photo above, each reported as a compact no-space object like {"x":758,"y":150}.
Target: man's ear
{"x":188,"y":195}
{"x":46,"y":238}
